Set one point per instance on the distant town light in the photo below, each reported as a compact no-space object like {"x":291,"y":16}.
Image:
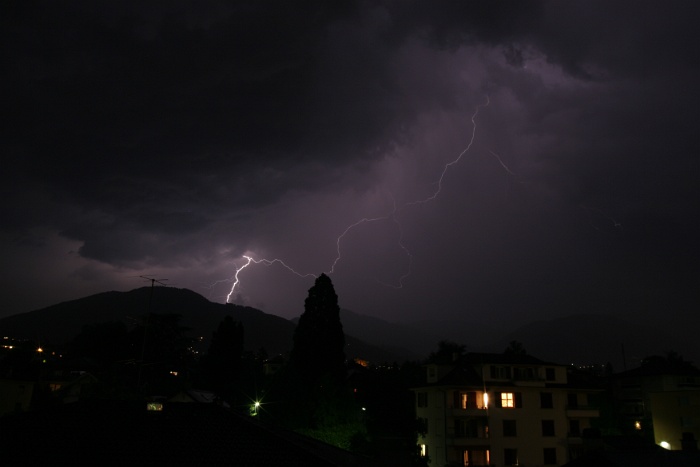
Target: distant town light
{"x":39,"y":350}
{"x":637,"y":425}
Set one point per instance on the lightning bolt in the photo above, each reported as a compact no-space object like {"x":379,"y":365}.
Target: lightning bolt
{"x":267,"y":262}
{"x":498,"y":158}
{"x":392,"y":216}
{"x":456,"y":160}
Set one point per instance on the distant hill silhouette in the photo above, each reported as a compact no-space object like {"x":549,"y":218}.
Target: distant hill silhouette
{"x":600,"y":338}
{"x":57,"y":324}
{"x":579,"y":338}
{"x":402,"y":339}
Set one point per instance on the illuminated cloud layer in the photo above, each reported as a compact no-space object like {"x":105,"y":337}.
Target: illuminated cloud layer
{"x":172,"y":140}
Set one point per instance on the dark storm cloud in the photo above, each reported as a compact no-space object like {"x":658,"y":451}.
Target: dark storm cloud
{"x":186,"y":134}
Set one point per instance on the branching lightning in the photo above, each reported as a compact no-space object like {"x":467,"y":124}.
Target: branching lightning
{"x":455,"y":161}
{"x":392,"y":216}
{"x":267,"y":262}
{"x":364,"y":220}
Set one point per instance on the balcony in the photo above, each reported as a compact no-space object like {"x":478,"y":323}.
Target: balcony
{"x":470,"y":412}
{"x":472,"y":437}
{"x":467,"y":442}
{"x":582,"y":411}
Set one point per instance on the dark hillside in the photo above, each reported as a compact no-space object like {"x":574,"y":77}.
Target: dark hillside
{"x":57,"y":324}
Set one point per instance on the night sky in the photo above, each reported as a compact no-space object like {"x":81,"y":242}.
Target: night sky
{"x":513,"y":161}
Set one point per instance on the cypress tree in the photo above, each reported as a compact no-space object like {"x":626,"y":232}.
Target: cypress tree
{"x":319,"y":341}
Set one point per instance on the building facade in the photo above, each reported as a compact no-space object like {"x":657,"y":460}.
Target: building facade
{"x":500,"y":410}
{"x":660,"y":401}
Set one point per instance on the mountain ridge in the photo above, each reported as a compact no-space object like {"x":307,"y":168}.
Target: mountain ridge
{"x":59,"y":323}
{"x":580,"y":338}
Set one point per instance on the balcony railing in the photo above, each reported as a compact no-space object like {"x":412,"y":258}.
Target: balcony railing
{"x":469,"y":412}
{"x":582,"y":411}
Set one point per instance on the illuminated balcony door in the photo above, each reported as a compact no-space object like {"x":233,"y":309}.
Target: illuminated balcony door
{"x":474,"y":457}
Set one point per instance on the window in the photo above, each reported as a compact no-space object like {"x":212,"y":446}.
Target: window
{"x":466,"y":400}
{"x":467,"y":428}
{"x":476,"y":457}
{"x":154,"y":406}
{"x":547,"y":427}
{"x":526,"y":374}
{"x":687,"y":422}
{"x":460,"y":428}
{"x":422,"y":399}
{"x":500,"y":372}
{"x":574,"y":428}
{"x":546,"y":401}
{"x":509,"y":428}
{"x":510,"y":456}
{"x":422,"y":426}
{"x":572,"y":400}
{"x":423,"y":450}
{"x":507,"y":399}
{"x":550,"y":456}
{"x":550,"y":374}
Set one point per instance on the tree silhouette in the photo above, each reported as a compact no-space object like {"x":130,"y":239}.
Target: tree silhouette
{"x":515,"y":348}
{"x":447,"y":352}
{"x":221,"y":366}
{"x":319,"y":342}
{"x":312,"y":388}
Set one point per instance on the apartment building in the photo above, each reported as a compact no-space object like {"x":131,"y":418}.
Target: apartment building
{"x":502,"y":409}
{"x":660,"y":401}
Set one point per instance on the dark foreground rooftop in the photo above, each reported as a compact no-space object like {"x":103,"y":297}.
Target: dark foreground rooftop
{"x":125,"y":433}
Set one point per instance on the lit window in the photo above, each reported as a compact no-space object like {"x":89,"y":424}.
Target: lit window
{"x":423,"y":450}
{"x":154,"y":407}
{"x":467,"y":400}
{"x":637,"y":425}
{"x":507,"y":399}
